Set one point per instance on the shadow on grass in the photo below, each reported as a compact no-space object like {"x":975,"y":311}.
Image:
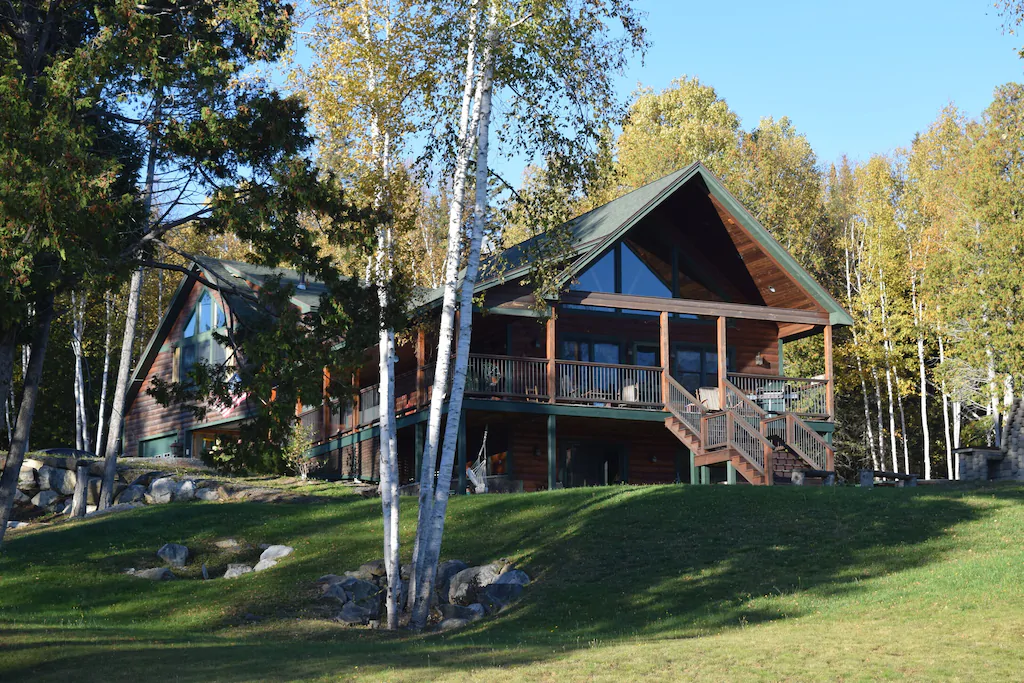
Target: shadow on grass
{"x":609,"y":564}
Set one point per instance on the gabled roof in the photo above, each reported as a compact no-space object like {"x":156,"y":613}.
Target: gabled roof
{"x":597,"y":230}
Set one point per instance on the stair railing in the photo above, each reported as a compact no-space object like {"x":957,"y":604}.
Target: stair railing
{"x":714,"y":430}
{"x":749,"y":443}
{"x":738,"y":401}
{"x":806,"y":443}
{"x":685,"y":407}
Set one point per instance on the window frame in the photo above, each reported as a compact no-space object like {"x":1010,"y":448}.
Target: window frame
{"x":198,"y":339}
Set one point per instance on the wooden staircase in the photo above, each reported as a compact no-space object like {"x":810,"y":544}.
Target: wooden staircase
{"x":764,"y":450}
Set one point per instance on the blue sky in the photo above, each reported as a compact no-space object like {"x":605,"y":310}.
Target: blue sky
{"x":856,"y":77}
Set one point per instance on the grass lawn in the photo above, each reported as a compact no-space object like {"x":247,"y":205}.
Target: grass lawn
{"x":668,"y":582}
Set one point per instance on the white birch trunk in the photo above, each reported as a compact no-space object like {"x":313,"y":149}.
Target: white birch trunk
{"x":418,"y":592}
{"x":903,"y":427}
{"x":857,"y":356}
{"x":431,"y":545}
{"x":957,"y":424}
{"x":879,"y":415}
{"x":945,"y":414}
{"x":892,"y":417}
{"x":76,"y":349}
{"x":922,"y":379}
{"x":992,"y":409}
{"x":101,"y":421}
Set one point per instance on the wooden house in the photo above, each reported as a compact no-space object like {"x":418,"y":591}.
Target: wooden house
{"x":661,"y":359}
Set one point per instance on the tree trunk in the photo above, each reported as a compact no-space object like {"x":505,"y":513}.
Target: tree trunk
{"x":431,"y":551}
{"x":856,"y":353}
{"x":417,"y":591}
{"x":957,"y":421}
{"x":26,"y":409}
{"x":903,"y":426}
{"x":101,"y":421}
{"x":878,"y":414}
{"x":7,"y":349}
{"x":118,"y":408}
{"x":945,"y":415}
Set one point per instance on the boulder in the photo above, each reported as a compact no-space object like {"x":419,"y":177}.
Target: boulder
{"x":449,"y":624}
{"x":162,"y":491}
{"x":329,"y":580}
{"x":55,"y":479}
{"x":94,"y":486}
{"x":445,"y":571}
{"x":30,"y":464}
{"x":335,"y":592}
{"x":16,"y":525}
{"x":236,"y":570}
{"x":27,"y":478}
{"x":59,"y":462}
{"x":497,"y":596}
{"x":173,"y":554}
{"x":352,"y":613}
{"x":467,"y":614}
{"x":276,"y":552}
{"x":264,"y":564}
{"x":45,"y":499}
{"x":156,"y":574}
{"x":147,"y":478}
{"x":91,"y":511}
{"x":132,"y":494}
{"x":227,"y":544}
{"x":464,"y":586}
{"x":514,"y":576}
{"x":375,"y":568}
{"x":478,"y":611}
{"x":360,"y":590}
{"x":207,"y":494}
{"x":20,"y":497}
{"x":186,"y":491}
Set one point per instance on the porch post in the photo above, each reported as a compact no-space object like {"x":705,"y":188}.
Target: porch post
{"x":461,"y":448}
{"x":664,"y":356}
{"x":551,"y":355}
{"x":721,"y":361}
{"x":830,"y":388}
{"x":552,"y":453}
{"x":421,"y":370}
{"x":730,"y":473}
{"x":357,"y":409}
{"x":782,"y":372}
{"x":694,"y":474}
{"x":325,"y":431}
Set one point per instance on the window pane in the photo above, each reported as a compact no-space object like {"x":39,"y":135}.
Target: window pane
{"x":690,"y":381}
{"x":687,"y":360}
{"x":205,"y":324}
{"x":203,"y":350}
{"x":220,"y":315}
{"x":217,"y":353}
{"x":646,"y":356}
{"x":188,"y":359}
{"x":569,"y":350}
{"x":638,"y":279}
{"x":606,"y":353}
{"x":190,"y":327}
{"x":600,"y":277}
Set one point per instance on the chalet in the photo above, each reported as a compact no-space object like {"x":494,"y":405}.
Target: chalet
{"x":661,"y":360}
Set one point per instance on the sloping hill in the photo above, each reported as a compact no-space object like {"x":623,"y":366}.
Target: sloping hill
{"x":666,"y":582}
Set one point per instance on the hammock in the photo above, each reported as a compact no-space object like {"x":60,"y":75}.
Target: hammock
{"x":477,"y":473}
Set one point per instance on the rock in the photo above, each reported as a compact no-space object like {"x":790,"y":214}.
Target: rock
{"x":514,"y":576}
{"x":329,"y":580}
{"x":120,"y":507}
{"x":334,"y":591}
{"x":264,"y":564}
{"x":497,"y":596}
{"x":147,"y":478}
{"x":27,"y":478}
{"x":207,"y":494}
{"x":276,"y":552}
{"x":133,"y":494}
{"x":478,"y":611}
{"x":162,"y":491}
{"x":30,"y":464}
{"x":352,"y":613}
{"x":227,"y":544}
{"x":236,"y":570}
{"x":375,"y":568}
{"x":360,"y":574}
{"x":54,"y":479}
{"x":186,"y":491}
{"x":445,"y":571}
{"x":459,"y":612}
{"x":360,"y":590}
{"x":17,"y":525}
{"x":94,"y":486}
{"x":173,"y":554}
{"x":20,"y":497}
{"x":59,"y":462}
{"x":206,"y":574}
{"x":157,"y":574}
{"x":45,"y":498}
{"x":464,"y":585}
{"x":449,"y":624}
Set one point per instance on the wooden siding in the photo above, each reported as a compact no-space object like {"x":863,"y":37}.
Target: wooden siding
{"x":145,"y":417}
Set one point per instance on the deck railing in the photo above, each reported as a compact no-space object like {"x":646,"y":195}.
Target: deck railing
{"x":684,"y":405}
{"x":714,"y":430}
{"x":802,"y":395}
{"x":739,"y":403}
{"x":312,"y":419}
{"x":602,"y":383}
{"x":748,"y":441}
{"x":808,"y":445}
{"x":507,"y":376}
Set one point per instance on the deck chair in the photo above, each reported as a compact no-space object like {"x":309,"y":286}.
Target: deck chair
{"x":709,"y":398}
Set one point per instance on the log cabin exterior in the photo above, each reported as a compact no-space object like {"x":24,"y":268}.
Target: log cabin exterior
{"x":660,"y":360}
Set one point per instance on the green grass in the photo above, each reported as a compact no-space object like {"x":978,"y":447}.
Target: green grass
{"x":708,"y":583}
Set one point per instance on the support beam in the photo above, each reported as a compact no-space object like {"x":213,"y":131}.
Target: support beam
{"x":420,"y":434}
{"x":461,"y":448}
{"x":694,"y":474}
{"x":781,"y":372}
{"x":325,"y":431}
{"x":421,"y":368}
{"x":695,"y":307}
{"x":550,"y":329}
{"x":552,"y":453}
{"x":730,"y":473}
{"x":705,"y":476}
{"x":664,"y":357}
{"x":830,"y":389}
{"x":722,"y":366}
{"x":356,"y":407}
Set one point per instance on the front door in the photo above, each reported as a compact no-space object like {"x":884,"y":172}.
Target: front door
{"x":591,"y":463}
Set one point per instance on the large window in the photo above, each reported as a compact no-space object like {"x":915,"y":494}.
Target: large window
{"x":638,"y":279}
{"x":589,"y":350}
{"x":621,"y":271}
{"x":197,"y":341}
{"x":696,"y":366}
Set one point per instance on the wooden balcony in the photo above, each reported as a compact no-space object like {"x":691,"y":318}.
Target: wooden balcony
{"x":804,"y":396}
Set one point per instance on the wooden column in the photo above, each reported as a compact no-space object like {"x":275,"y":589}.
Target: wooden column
{"x":325,"y":430}
{"x":421,"y":370}
{"x":551,"y":356}
{"x":722,"y":367}
{"x":356,"y":408}
{"x":830,"y":388}
{"x":664,"y":356}
{"x":420,"y":429}
{"x":781,"y":372}
{"x":694,"y":474}
{"x":552,"y":453}
{"x":730,"y":473}
{"x":461,"y":448}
